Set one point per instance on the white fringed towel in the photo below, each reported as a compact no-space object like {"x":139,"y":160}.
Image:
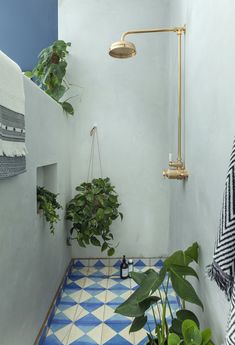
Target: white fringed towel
{"x":12,"y":122}
{"x":223,"y":266}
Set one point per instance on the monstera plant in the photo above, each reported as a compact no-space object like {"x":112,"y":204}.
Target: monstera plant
{"x":92,"y":212}
{"x":49,"y":73}
{"x":152,"y":294}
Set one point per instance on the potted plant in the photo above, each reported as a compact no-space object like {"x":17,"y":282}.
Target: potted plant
{"x":48,"y":204}
{"x":92,"y":212}
{"x":49,"y":73}
{"x":153,"y":292}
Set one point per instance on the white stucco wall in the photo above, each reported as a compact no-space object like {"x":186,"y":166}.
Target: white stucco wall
{"x":32,"y":260}
{"x":209,"y":133}
{"x":127,"y":100}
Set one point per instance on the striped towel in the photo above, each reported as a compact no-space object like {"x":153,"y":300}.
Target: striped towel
{"x":12,"y":124}
{"x":223,"y":266}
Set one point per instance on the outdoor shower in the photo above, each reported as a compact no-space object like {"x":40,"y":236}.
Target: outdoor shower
{"x":123,"y":49}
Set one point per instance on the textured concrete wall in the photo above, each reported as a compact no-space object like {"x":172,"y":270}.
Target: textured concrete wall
{"x":127,"y":100}
{"x":209,"y":133}
{"x":32,"y":260}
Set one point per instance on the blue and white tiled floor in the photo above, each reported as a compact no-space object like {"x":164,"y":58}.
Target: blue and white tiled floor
{"x":85,"y":311}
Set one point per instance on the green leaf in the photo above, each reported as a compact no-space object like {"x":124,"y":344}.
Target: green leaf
{"x":138,"y":323}
{"x":183,"y":270}
{"x":111,"y":251}
{"x":95,"y":241}
{"x":176,"y":326}
{"x":28,"y":74}
{"x":121,"y":215}
{"x":184,"y":314}
{"x":192,"y":252}
{"x":104,"y":246}
{"x":206,"y":336}
{"x":191,"y":333}
{"x":173,"y":339}
{"x":100,"y":214}
{"x":184,"y":289}
{"x":138,"y":277}
{"x":67,"y":107}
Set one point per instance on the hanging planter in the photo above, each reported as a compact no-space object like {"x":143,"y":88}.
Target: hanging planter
{"x":92,"y":212}
{"x":94,"y":208}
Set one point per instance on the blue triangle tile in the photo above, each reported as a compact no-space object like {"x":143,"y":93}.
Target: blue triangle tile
{"x":117,"y":263}
{"x":116,"y":301}
{"x":91,"y":306}
{"x":59,"y":321}
{"x":117,"y":318}
{"x":88,"y":319}
{"x":78,"y":264}
{"x":159,"y":264}
{"x":85,"y":340}
{"x":117,"y":340}
{"x":117,"y":327}
{"x":139,"y":263}
{"x":73,"y":285}
{"x":76,"y":276}
{"x":118,"y":287}
{"x":52,"y":340}
{"x":94,"y":286}
{"x":99,"y":264}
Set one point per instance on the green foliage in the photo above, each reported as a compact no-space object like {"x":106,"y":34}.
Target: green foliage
{"x":50,"y":72}
{"x":48,"y":204}
{"x":176,"y":269}
{"x":191,"y":335}
{"x":92,"y":212}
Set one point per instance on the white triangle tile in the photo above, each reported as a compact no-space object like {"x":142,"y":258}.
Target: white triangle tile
{"x":110,"y":296}
{"x":126,"y":294}
{"x":57,"y":311}
{"x":85,"y":296}
{"x":75,"y":334}
{"x":76,"y":295}
{"x":88,"y":282}
{"x":70,"y":312}
{"x":99,"y":313}
{"x":96,"y":333}
{"x":102,"y":296}
{"x":126,"y":335}
{"x":111,"y":283}
{"x":139,"y":336}
{"x":49,"y":332}
{"x":108,"y":312}
{"x":81,"y":312}
{"x":81,"y":281}
{"x":63,"y":334}
{"x":104,"y":283}
{"x":107,"y":333}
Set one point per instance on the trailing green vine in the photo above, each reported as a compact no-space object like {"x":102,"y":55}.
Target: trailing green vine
{"x":92,"y":212}
{"x":50,"y":71}
{"x":48,"y":204}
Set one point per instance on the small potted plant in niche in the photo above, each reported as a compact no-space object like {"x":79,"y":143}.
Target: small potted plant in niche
{"x":47,"y":205}
{"x":92,"y":212}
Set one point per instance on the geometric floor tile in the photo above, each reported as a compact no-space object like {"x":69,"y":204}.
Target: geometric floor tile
{"x":85,"y":312}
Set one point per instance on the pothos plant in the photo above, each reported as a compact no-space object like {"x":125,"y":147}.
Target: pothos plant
{"x":50,"y":71}
{"x":47,"y":202}
{"x":153,"y":293}
{"x":92,"y":212}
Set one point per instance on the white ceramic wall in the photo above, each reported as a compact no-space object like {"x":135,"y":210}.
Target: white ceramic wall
{"x":32,"y":260}
{"x":209,"y":133}
{"x":127,"y":100}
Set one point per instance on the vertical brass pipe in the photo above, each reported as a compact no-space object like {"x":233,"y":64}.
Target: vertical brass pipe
{"x":179,"y":34}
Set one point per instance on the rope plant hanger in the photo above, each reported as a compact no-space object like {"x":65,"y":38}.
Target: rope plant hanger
{"x":95,"y":207}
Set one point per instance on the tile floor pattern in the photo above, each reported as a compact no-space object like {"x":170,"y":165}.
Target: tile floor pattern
{"x":85,"y":311}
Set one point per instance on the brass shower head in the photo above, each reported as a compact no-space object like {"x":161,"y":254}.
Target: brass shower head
{"x":122,"y":49}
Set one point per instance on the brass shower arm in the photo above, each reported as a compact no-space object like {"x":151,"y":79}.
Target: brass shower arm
{"x":146,"y":31}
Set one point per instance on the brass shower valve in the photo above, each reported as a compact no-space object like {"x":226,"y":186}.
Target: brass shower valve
{"x":176,"y":174}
